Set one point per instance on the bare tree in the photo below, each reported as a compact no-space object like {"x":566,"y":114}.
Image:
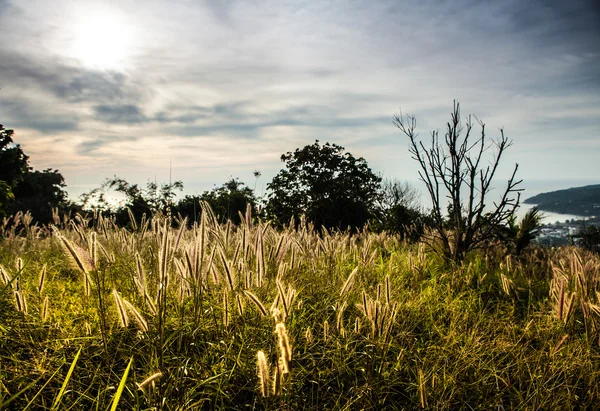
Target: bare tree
{"x":455,"y":168}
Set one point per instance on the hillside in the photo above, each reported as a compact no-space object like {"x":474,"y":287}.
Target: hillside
{"x":583,"y":201}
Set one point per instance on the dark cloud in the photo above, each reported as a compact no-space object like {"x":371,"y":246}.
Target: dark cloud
{"x":88,"y":147}
{"x":69,"y":83}
{"x":119,"y":113}
{"x":572,"y":26}
{"x":27,"y":115}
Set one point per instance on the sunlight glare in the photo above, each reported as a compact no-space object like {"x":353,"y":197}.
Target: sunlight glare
{"x":102,"y":40}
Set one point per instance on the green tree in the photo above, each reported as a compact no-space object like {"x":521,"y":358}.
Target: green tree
{"x":153,"y":198}
{"x":40,"y":192}
{"x":398,"y":211}
{"x":14,"y":166}
{"x":25,"y":189}
{"x":331,"y":188}
{"x":227,"y":201}
{"x":589,"y":238}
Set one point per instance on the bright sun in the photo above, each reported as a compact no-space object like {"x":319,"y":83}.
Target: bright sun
{"x":102,"y":40}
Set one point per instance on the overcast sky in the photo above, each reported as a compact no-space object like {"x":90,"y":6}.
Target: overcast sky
{"x":223,"y":88}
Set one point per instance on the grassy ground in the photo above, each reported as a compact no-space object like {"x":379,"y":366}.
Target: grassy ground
{"x":94,"y":316}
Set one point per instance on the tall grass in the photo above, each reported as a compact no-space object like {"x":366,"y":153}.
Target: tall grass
{"x":217,"y":316}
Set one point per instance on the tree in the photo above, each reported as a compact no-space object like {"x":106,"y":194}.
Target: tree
{"x":40,"y":192}
{"x":454,"y":168}
{"x":25,"y":189}
{"x":14,"y":166}
{"x":226,"y":201}
{"x":331,"y":188}
{"x":138,"y":200}
{"x":397,"y":210}
{"x":519,"y":236}
{"x":589,"y":238}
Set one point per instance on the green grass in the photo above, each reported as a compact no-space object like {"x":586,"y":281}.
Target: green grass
{"x":448,"y":338}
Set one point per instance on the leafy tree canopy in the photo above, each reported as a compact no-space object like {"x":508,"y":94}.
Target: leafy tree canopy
{"x":22,"y":188}
{"x":227,"y":201}
{"x":331,"y":188}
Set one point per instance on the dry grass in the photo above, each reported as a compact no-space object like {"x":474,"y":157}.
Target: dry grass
{"x":349,"y":321}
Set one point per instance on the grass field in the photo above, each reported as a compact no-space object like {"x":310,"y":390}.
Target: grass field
{"x":163,"y":316}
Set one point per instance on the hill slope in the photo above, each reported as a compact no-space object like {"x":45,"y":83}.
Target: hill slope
{"x":583,"y":201}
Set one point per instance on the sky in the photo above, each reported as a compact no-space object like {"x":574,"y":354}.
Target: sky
{"x":203,"y":91}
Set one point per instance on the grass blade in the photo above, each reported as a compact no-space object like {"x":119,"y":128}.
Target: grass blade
{"x":121,"y":387}
{"x":66,"y":381}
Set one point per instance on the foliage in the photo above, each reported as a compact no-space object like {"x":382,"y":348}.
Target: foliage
{"x":139,"y":201}
{"x":371,"y":322}
{"x":589,"y":238}
{"x":397,"y":210}
{"x":24,"y":189}
{"x":227,"y":201}
{"x":454,"y":169}
{"x":14,"y":166}
{"x":521,"y":235}
{"x":331,"y":188}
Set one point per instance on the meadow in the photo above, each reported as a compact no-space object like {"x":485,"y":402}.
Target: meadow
{"x":165,"y":314}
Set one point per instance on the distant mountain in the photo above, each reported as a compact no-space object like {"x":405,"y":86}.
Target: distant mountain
{"x":582,"y":201}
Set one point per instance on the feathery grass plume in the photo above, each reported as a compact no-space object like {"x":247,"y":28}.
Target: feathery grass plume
{"x":340,"y":309}
{"x":262,"y":370}
{"x":94,"y":250}
{"x":6,"y":279}
{"x":277,"y":374}
{"x":256,"y":302}
{"x":42,"y":279}
{"x":19,"y":264}
{"x":388,"y":296}
{"x":325,"y":330}
{"x":507,"y":284}
{"x":308,"y":335}
{"x":237,"y":253}
{"x":558,"y":346}
{"x":182,"y":227}
{"x":422,"y":389}
{"x":140,"y":279}
{"x":240,"y":304}
{"x":150,"y":380}
{"x":21,"y":301}
{"x":260,"y":257}
{"x":571,"y":302}
{"x":282,"y":298}
{"x":76,"y":255}
{"x":357,"y":325}
{"x":151,"y":305}
{"x":226,"y":308}
{"x":123,"y":318}
{"x":284,"y":347}
{"x":44,"y":312}
{"x":348,"y":282}
{"x":137,"y":316}
{"x":132,"y":219}
{"x":228,"y":272}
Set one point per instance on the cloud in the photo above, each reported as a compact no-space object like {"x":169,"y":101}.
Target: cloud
{"x":119,"y":113}
{"x":208,"y":81}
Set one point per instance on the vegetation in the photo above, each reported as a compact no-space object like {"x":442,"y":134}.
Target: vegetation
{"x":589,"y":238}
{"x":342,"y":294}
{"x":455,"y":169}
{"x":581,"y":201}
{"x":331,"y":188}
{"x":217,"y":316}
{"x":23,"y":189}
